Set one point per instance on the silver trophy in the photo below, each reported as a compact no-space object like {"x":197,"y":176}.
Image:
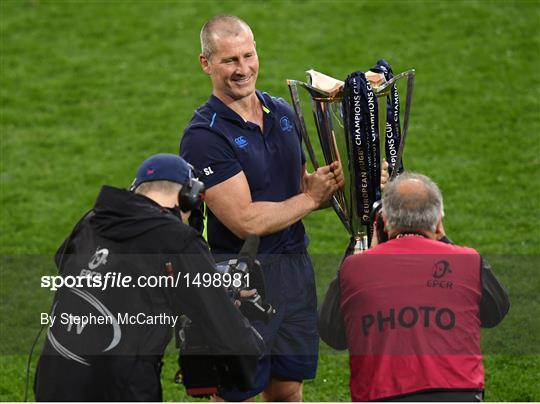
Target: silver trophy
{"x":337,"y":142}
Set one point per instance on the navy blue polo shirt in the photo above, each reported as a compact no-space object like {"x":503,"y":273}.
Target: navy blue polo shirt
{"x":220,"y":144}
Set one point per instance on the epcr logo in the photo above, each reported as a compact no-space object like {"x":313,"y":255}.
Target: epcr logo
{"x":99,"y":258}
{"x":285,"y":124}
{"x":241,"y":141}
{"x":441,"y":268}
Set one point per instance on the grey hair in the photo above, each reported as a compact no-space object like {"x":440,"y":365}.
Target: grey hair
{"x":222,"y":25}
{"x":406,"y":210}
{"x":164,"y":187}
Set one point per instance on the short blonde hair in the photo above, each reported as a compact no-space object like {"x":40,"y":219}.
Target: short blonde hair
{"x":221,"y":25}
{"x":164,"y":187}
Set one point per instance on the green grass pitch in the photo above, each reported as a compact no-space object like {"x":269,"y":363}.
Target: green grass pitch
{"x":90,"y":88}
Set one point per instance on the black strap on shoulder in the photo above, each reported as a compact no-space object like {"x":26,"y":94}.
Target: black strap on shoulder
{"x":495,"y":303}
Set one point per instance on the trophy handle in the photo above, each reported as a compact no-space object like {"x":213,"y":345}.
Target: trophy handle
{"x":301,"y":122}
{"x":385,"y":88}
{"x":383,"y":91}
{"x":408,"y":100}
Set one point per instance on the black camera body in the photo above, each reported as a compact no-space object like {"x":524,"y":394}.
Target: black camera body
{"x":250,"y":274}
{"x":377,"y":220}
{"x":203,"y":371}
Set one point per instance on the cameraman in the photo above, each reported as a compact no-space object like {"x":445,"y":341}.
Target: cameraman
{"x":413,"y":306}
{"x":140,"y":234}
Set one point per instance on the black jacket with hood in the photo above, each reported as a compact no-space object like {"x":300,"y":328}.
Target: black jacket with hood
{"x":129,"y":234}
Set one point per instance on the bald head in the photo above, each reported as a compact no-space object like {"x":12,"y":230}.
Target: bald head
{"x":412,"y":202}
{"x":221,"y":26}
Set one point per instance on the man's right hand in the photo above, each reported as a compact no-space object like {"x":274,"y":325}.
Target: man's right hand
{"x":245,"y":293}
{"x":321,"y":185}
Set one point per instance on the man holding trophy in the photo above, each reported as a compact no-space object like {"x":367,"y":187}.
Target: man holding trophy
{"x":247,"y":145}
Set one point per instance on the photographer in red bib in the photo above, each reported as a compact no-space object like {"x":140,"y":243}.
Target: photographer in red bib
{"x":411,"y":307}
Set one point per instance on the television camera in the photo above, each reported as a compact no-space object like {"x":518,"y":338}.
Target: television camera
{"x":204,"y":372}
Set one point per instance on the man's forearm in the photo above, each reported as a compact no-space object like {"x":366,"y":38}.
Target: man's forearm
{"x":231,"y":203}
{"x":263,"y":218}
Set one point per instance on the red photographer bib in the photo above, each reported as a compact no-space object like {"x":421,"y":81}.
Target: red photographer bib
{"x":411,"y":311}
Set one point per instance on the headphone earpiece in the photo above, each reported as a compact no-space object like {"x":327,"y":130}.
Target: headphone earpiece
{"x":191,"y":195}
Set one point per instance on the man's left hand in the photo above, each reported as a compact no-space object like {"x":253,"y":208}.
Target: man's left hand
{"x":384,"y":174}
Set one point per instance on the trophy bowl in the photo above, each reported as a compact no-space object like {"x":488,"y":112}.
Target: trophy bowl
{"x":350,"y":117}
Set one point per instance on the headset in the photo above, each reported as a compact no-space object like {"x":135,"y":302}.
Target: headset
{"x":192,"y":194}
